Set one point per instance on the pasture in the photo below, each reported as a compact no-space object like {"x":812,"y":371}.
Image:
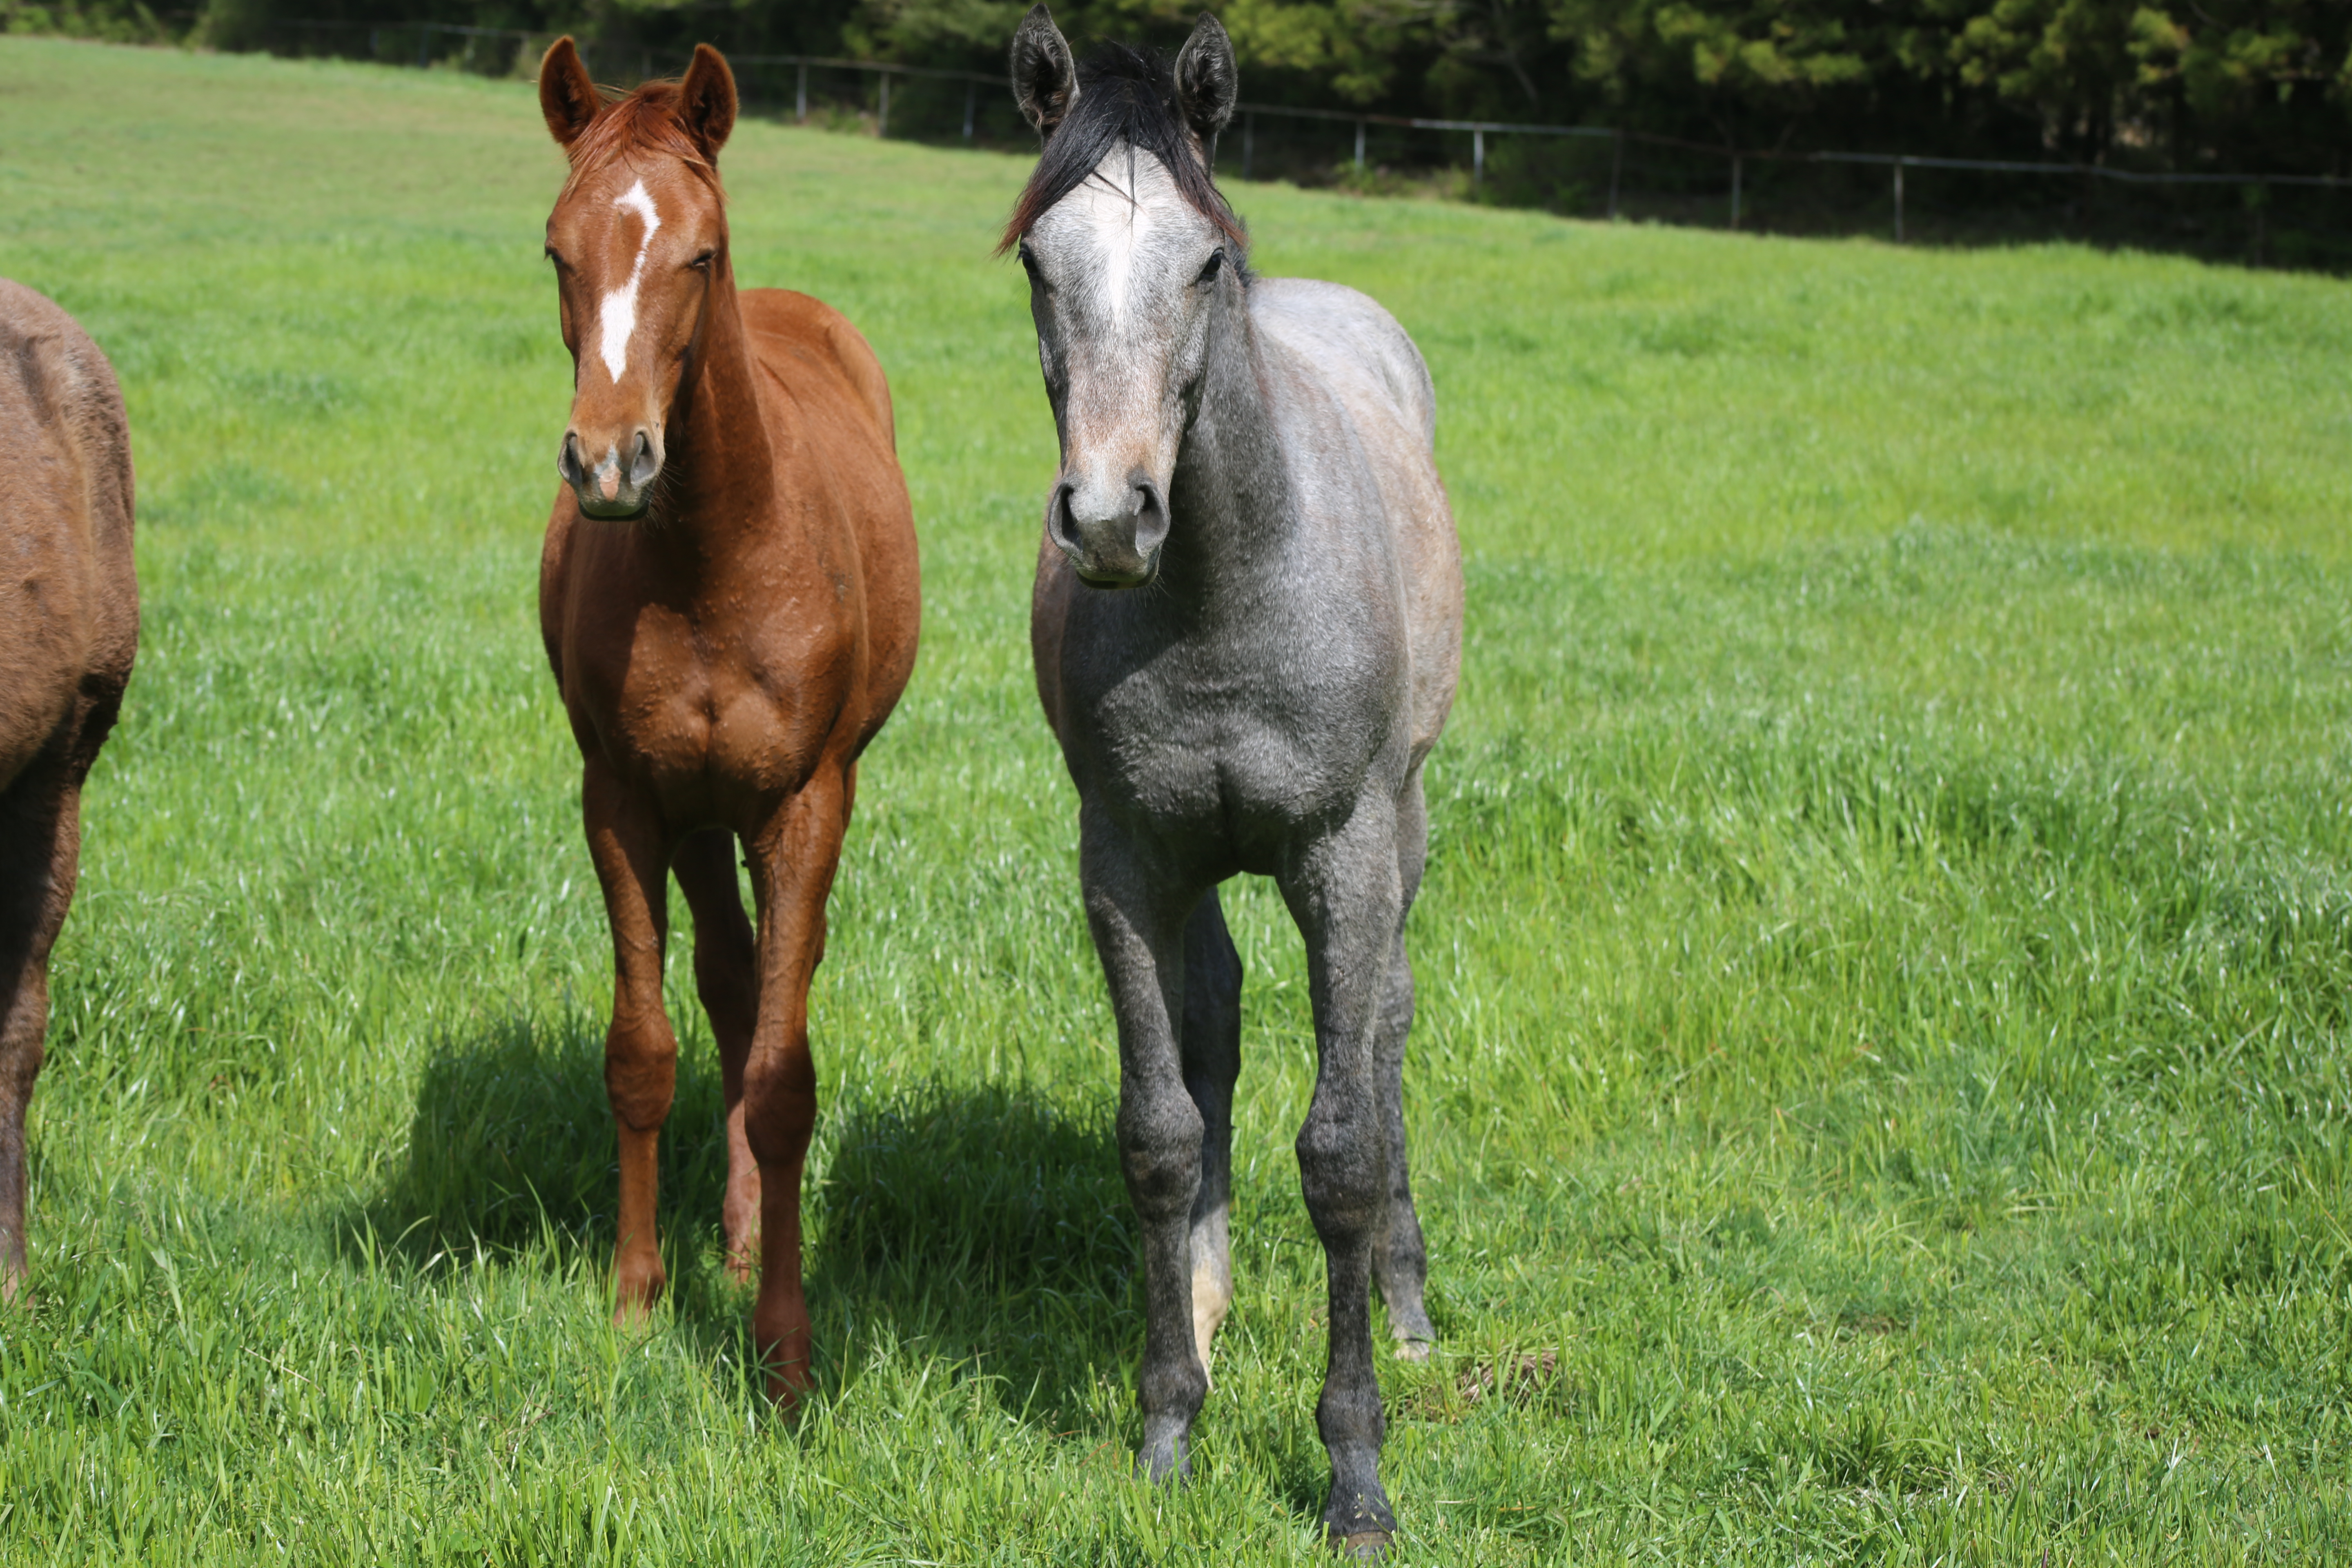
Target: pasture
{"x":1880,"y":1090}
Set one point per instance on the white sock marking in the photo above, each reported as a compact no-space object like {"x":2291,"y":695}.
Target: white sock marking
{"x":616,"y":318}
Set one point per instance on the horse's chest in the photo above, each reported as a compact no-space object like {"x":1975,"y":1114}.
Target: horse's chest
{"x":1244,"y":756}
{"x":715,"y":731}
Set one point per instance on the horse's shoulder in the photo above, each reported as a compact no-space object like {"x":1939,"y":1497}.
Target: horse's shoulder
{"x":805,"y":328}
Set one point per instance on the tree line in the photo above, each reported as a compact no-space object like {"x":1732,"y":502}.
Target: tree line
{"x":2222,"y":85}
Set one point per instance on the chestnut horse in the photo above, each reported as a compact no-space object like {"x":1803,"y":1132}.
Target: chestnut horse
{"x":68,"y":629}
{"x":729,"y":597}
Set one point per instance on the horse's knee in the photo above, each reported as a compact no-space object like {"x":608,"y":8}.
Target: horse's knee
{"x":641,"y":1077}
{"x":1343,"y":1173}
{"x":1159,"y":1152}
{"x":779,"y":1106}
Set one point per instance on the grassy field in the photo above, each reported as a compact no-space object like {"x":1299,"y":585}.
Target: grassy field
{"x":1881,"y":1091}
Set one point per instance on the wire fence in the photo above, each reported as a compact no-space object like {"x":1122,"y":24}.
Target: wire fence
{"x":1677,"y":178}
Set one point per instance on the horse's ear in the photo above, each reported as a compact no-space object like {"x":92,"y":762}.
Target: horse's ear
{"x":706,"y":101}
{"x":567,"y":94}
{"x":1044,"y":76}
{"x":1207,"y":84}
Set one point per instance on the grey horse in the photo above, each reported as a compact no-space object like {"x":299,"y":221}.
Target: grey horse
{"x":1250,"y":459}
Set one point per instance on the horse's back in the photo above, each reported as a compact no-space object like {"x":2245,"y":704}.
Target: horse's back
{"x":841,"y":400}
{"x":68,"y":597}
{"x":799,"y":335}
{"x":1368,"y":359}
{"x":1355,"y":352}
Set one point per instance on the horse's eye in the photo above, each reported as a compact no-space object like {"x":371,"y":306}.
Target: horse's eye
{"x":1209,"y":268}
{"x":702,"y":260}
{"x":1028,"y":263}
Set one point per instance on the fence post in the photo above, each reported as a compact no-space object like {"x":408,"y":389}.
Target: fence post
{"x":800,"y":96}
{"x":971,"y":93}
{"x":1249,"y":142}
{"x":1898,"y":201}
{"x":1359,"y":143}
{"x":1616,"y":167}
{"x":1736,"y":161}
{"x":882,"y":124}
{"x":424,"y":45}
{"x":1477,"y":159}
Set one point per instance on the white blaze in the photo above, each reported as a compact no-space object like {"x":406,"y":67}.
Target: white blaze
{"x":1113,"y":211}
{"x":616,"y":318}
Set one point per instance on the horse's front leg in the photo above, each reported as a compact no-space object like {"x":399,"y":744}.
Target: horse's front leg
{"x":1137,"y":917}
{"x":625,"y":840}
{"x":793,"y":859}
{"x":40,"y":850}
{"x":1344,"y":890}
{"x":727,"y":978}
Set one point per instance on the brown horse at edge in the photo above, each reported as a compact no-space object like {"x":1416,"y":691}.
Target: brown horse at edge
{"x":729,"y":597}
{"x":68,"y":632}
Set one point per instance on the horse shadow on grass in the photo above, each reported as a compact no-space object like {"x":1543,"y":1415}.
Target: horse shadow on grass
{"x":982,"y":1228}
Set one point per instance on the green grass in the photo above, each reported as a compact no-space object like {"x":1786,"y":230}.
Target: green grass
{"x":1885,"y":963}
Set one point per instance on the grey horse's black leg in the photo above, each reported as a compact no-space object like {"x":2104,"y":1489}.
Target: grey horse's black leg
{"x":1344,"y":893}
{"x":1210,"y":1047}
{"x":1138,"y":934}
{"x":1399,"y":1258}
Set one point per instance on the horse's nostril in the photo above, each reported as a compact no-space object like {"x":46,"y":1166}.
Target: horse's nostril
{"x":567,"y":459}
{"x":1150,"y":516}
{"x":1059,"y":521}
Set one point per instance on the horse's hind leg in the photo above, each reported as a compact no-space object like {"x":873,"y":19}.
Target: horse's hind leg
{"x":640,"y":1052}
{"x":727,"y":978}
{"x":1399,"y":1258}
{"x":1211,"y":1045}
{"x":40,"y":841}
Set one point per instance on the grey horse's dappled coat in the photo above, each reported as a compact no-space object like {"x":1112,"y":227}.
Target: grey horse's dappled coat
{"x":1250,"y":459}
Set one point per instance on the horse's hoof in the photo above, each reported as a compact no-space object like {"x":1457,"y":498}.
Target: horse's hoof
{"x":1163,"y":1466}
{"x":1413,"y":1350}
{"x":1363,"y":1546}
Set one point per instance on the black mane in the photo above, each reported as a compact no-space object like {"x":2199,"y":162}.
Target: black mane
{"x":1124,"y":95}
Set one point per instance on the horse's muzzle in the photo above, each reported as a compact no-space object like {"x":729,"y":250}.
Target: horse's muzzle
{"x":1113,"y":541}
{"x":612,"y":487}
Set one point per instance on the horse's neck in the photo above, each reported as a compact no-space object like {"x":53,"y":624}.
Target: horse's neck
{"x":720,"y":465}
{"x":1230,"y":499}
